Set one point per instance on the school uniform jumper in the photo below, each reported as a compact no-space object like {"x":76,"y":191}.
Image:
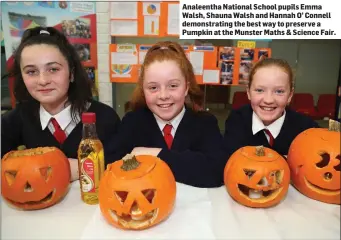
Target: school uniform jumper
{"x":25,"y":125}
{"x":196,"y":156}
{"x":244,"y":128}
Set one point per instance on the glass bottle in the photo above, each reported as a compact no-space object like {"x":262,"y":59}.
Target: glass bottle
{"x":90,"y":160}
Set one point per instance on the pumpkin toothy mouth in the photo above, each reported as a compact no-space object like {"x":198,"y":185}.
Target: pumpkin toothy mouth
{"x":46,"y":199}
{"x":134,"y":220}
{"x":258,"y":195}
{"x":320,"y":189}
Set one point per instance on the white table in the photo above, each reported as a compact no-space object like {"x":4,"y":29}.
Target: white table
{"x":198,"y":214}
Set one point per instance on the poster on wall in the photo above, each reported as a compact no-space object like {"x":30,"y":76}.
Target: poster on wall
{"x":77,"y":20}
{"x":226,"y":64}
{"x":236,"y":63}
{"x":245,"y":65}
{"x":144,"y":18}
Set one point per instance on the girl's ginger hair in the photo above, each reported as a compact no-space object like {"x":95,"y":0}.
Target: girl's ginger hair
{"x":269,"y":62}
{"x":170,"y":51}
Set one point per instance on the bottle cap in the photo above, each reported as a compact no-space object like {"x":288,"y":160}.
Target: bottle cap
{"x":88,"y":117}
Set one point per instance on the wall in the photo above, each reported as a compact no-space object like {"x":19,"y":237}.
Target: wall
{"x":315,"y":62}
{"x":103,"y":41}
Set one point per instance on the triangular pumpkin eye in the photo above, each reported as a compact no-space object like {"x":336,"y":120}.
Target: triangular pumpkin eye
{"x":149,"y":194}
{"x":10,"y":176}
{"x":46,"y":172}
{"x":249,"y":173}
{"x":121,"y":196}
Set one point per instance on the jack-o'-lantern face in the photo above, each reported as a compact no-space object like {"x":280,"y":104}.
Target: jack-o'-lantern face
{"x":137,"y":192}
{"x":314,"y":160}
{"x":137,"y":210}
{"x":260,"y":184}
{"x":257,"y":178}
{"x":34,"y":178}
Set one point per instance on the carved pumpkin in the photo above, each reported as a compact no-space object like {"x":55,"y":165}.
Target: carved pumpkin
{"x":137,"y":192}
{"x":34,"y":178}
{"x":314,"y":160}
{"x":257,"y":177}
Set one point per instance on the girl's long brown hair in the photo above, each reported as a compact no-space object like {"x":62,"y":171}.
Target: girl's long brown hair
{"x":164,"y":51}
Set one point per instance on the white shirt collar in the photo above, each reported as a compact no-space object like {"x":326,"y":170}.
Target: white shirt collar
{"x":63,"y":118}
{"x":274,"y":128}
{"x":174,"y":122}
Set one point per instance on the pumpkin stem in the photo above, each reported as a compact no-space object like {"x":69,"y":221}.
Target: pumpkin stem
{"x":334,"y":125}
{"x":129,"y":162}
{"x":260,"y":151}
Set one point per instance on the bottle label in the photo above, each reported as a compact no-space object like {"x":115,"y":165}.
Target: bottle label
{"x":88,"y":175}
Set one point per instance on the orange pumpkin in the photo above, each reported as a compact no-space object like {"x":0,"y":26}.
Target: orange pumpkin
{"x":314,"y":160}
{"x":257,"y":177}
{"x":137,"y":192}
{"x":34,"y":178}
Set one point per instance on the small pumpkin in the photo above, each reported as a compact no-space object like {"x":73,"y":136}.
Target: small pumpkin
{"x":34,"y":178}
{"x":137,"y":192}
{"x":257,"y":177}
{"x":314,"y":160}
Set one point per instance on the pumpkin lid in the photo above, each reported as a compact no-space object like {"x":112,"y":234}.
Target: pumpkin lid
{"x":259,"y":153}
{"x":132,"y":167}
{"x":22,"y":151}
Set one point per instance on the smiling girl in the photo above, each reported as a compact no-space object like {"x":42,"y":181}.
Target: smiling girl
{"x":52,"y":90}
{"x":165,"y":122}
{"x":266,"y":120}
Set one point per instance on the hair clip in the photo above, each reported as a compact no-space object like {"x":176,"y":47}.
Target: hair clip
{"x":44,"y":32}
{"x":163,"y":47}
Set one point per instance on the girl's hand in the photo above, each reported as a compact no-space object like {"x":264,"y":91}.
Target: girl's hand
{"x":74,"y":169}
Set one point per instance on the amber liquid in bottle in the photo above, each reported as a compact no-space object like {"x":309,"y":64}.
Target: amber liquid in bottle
{"x":90,"y":160}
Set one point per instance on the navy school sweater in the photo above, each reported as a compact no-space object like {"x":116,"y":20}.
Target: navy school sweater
{"x":196,"y":157}
{"x":238,"y":130}
{"x":21,"y":126}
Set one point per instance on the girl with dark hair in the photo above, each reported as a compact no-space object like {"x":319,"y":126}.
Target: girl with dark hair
{"x":165,"y":120}
{"x":52,"y":90}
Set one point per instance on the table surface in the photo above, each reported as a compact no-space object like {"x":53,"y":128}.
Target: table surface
{"x":199,"y":213}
